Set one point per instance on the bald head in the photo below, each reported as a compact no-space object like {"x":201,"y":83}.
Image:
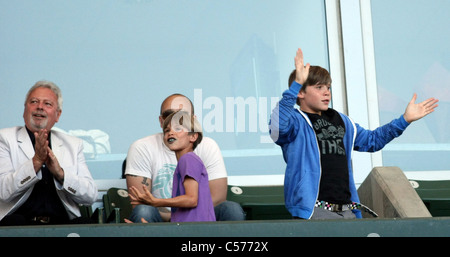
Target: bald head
{"x":174,"y":103}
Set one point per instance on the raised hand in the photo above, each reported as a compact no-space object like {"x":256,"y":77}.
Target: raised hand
{"x":301,"y":71}
{"x":40,"y":149}
{"x":417,"y":111}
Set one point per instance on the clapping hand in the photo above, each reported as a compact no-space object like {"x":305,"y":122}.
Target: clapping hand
{"x":44,"y":155}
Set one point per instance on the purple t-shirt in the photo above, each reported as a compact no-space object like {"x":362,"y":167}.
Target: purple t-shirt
{"x":191,"y":165}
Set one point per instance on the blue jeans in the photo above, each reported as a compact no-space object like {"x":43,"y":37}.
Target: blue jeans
{"x":224,"y":211}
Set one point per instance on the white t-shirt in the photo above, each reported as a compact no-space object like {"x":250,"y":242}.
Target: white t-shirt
{"x":149,"y":157}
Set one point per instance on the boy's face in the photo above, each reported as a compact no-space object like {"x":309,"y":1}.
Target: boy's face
{"x":178,"y":139}
{"x":315,"y":99}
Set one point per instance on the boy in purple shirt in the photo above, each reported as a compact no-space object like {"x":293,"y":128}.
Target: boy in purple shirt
{"x":191,"y":197}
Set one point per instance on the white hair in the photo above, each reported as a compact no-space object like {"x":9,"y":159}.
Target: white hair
{"x":50,"y":85}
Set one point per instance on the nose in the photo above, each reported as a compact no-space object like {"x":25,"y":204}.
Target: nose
{"x":40,"y":105}
{"x":168,"y":131}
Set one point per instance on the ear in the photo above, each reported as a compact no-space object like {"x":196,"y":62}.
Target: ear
{"x":58,"y":115}
{"x":193,"y":137}
{"x":161,"y":121}
{"x":301,"y":94}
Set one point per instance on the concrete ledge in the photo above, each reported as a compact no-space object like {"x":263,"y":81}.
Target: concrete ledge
{"x":410,"y":227}
{"x":387,"y":191}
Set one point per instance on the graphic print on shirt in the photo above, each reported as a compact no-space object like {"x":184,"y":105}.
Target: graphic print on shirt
{"x":330,"y":137}
{"x":162,"y":185}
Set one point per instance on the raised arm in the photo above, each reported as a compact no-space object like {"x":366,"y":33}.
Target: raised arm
{"x":282,"y":128}
{"x":417,"y":111}
{"x":301,"y":71}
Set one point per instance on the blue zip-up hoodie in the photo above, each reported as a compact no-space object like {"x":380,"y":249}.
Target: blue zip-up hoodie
{"x":292,"y":130}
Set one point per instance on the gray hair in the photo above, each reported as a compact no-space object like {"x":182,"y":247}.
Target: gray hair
{"x":50,"y":85}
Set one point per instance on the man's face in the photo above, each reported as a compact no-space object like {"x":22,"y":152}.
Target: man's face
{"x":173,"y":104}
{"x":41,"y":110}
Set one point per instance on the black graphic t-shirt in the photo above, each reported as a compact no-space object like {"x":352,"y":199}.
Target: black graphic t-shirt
{"x":330,"y":131}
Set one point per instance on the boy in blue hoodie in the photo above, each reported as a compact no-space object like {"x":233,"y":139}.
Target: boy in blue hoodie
{"x":317,"y":144}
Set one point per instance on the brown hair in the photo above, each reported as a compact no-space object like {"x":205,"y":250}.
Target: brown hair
{"x":317,"y":76}
{"x":188,"y":121}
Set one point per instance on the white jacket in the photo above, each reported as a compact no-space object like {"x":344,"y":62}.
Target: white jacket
{"x":17,"y":175}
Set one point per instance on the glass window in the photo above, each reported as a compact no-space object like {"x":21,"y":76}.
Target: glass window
{"x":116,"y":61}
{"x":412,"y":56}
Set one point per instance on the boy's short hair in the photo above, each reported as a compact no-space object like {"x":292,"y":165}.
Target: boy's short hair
{"x":317,"y":76}
{"x":188,"y":121}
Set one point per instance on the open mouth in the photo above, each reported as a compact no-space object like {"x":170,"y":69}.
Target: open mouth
{"x":40,"y":116}
{"x":171,"y":140}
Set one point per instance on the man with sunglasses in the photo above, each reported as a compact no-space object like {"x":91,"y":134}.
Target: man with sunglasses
{"x":151,"y":163}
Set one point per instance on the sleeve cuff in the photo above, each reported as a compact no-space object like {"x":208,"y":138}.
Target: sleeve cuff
{"x":295,"y":87}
